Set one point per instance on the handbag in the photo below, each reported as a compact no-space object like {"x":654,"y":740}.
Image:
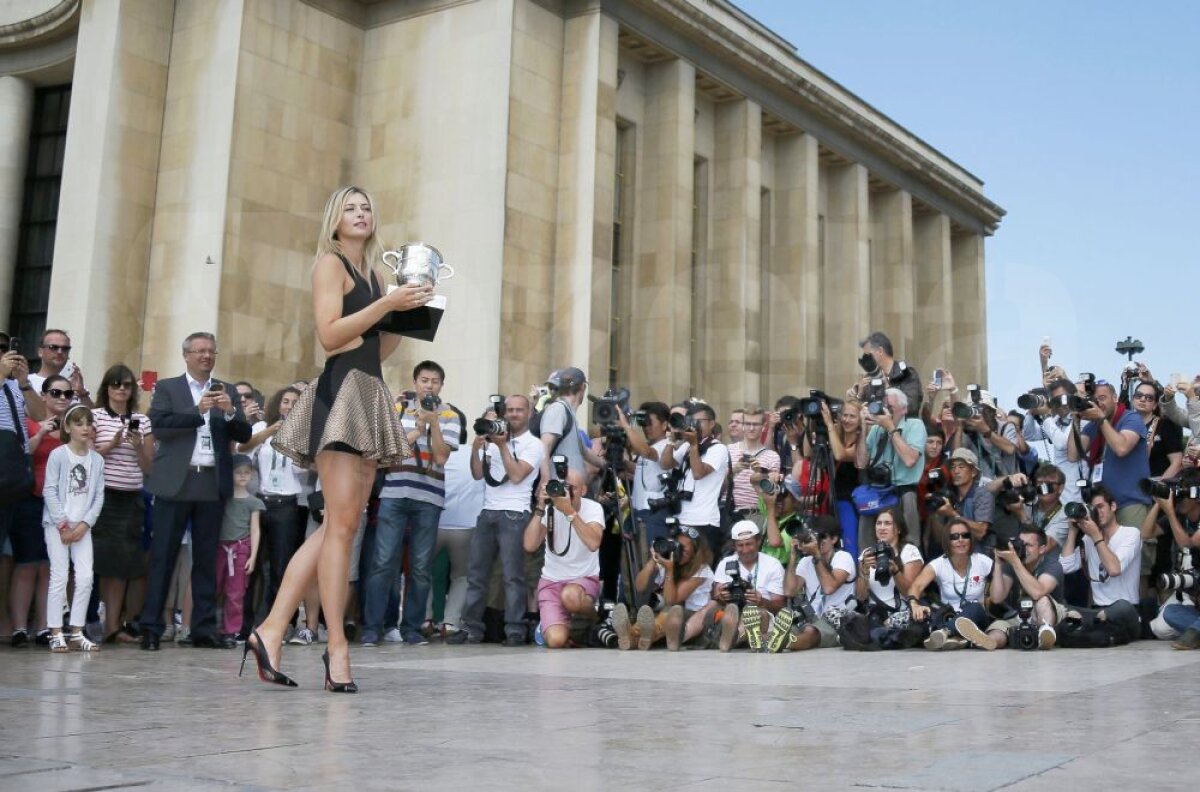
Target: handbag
{"x":878,"y":495}
{"x":16,"y":469}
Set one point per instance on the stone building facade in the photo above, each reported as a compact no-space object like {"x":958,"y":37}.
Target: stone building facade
{"x":659,"y":191}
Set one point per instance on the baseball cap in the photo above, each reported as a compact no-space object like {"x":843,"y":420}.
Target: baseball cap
{"x":743,"y":529}
{"x":241,"y":460}
{"x":566,"y":378}
{"x":966,"y":455}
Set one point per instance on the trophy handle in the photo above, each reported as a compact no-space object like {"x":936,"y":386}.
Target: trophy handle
{"x":445,"y":272}
{"x":394,"y":268}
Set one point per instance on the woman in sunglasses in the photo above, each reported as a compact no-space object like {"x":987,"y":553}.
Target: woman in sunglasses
{"x":122,"y":438}
{"x":31,"y":564}
{"x":962,"y":576}
{"x":683,"y":579}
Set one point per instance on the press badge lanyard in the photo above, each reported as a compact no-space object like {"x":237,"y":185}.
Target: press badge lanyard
{"x":962,"y":595}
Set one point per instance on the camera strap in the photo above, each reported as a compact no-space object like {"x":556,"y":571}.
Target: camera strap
{"x":962,"y":595}
{"x":488,"y":478}
{"x":550,"y":533}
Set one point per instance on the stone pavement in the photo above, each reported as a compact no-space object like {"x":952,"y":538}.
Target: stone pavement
{"x":486,"y":717}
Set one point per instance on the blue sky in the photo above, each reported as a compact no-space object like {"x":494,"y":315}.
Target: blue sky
{"x":1082,"y":119}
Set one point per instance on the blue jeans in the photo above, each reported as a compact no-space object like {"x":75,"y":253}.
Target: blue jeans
{"x":972,"y":610}
{"x":848,"y":518}
{"x":497,"y":533}
{"x":1182,"y":617}
{"x":401,"y":521}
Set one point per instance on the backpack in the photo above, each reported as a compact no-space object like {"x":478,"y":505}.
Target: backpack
{"x":855,"y":633}
{"x":1097,"y":635}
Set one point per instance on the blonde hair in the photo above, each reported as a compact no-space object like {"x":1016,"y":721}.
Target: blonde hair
{"x":328,"y":241}
{"x":68,"y":418}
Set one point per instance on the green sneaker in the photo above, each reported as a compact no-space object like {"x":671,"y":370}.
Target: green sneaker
{"x":781,"y":630}
{"x":752,"y":619}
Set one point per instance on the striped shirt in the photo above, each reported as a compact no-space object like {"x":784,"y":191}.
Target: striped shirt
{"x":745,"y":494}
{"x":6,"y":419}
{"x":121,"y":469}
{"x":419,"y":478}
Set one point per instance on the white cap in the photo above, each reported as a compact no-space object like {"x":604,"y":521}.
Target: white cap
{"x":743,"y":529}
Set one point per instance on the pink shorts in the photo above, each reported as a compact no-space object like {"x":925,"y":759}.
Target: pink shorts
{"x":549,"y":596}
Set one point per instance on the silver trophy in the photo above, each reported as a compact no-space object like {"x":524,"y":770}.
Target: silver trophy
{"x":422,"y":265}
{"x":418,"y":264}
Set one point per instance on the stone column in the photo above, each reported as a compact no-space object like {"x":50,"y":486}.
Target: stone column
{"x":731,"y":361}
{"x":970,"y":306}
{"x":846,"y":278}
{"x":793,"y":351}
{"x":110,"y":180}
{"x":933,"y":336}
{"x":662,"y":291}
{"x":16,"y":114}
{"x":893,"y":275}
{"x":587,"y":171}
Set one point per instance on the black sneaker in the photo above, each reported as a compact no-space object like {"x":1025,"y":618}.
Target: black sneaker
{"x":19,"y":638}
{"x":43,"y":638}
{"x":463,"y":637}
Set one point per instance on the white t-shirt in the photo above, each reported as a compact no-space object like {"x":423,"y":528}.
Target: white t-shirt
{"x":512,"y":496}
{"x":277,"y":475}
{"x":578,"y":561}
{"x":703,"y":593}
{"x":645,"y":478}
{"x":816,"y":596}
{"x":766,"y":577}
{"x":77,"y":497}
{"x":1126,"y":544}
{"x":957,"y":590}
{"x":887,"y":594}
{"x":704,"y":508}
{"x":464,"y":495}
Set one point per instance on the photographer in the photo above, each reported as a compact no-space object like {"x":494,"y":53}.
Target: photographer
{"x":1182,"y":510}
{"x":962,"y":578}
{"x":757,"y":587}
{"x":1113,"y":561}
{"x":1189,"y":418}
{"x":878,"y":360}
{"x":751,"y":461}
{"x":845,"y":434}
{"x":781,"y":515}
{"x":508,"y":464}
{"x":882,"y":589}
{"x":987,"y":432}
{"x":822,"y":574}
{"x":971,"y":503}
{"x":1028,"y":562}
{"x":649,"y":449}
{"x":705,"y":462}
{"x":1115,"y":438}
{"x":558,"y":426}
{"x":1051,"y":427}
{"x":680,"y":573}
{"x":571,"y":531}
{"x":898,"y":442}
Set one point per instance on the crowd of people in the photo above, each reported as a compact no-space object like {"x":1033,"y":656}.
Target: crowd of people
{"x":905,"y":512}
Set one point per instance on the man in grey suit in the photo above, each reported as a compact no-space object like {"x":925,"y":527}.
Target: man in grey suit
{"x":195,"y":418}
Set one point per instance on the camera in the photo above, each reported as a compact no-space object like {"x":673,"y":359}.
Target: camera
{"x":665,"y":548}
{"x":768,"y":487}
{"x":641,"y":418}
{"x":869,"y":366}
{"x":1076,"y":511}
{"x":874,"y":397}
{"x":1018,"y":546}
{"x":803,"y":610}
{"x":672,"y":496}
{"x":1089,"y":383}
{"x":1010,"y":495}
{"x":556,"y":488}
{"x":429,"y":402}
{"x":606,"y":408}
{"x":737,"y":586}
{"x":884,"y":555}
{"x":1187,"y":581}
{"x":485,"y":426}
{"x":1036,"y":399}
{"x":810,"y":407}
{"x":879,"y":475}
{"x":1165,"y":488}
{"x":682,"y":423}
{"x":135,"y":424}
{"x":936,"y":500}
{"x":1025,"y":634}
{"x":1077,"y":403}
{"x":803,"y":535}
{"x":560,"y":465}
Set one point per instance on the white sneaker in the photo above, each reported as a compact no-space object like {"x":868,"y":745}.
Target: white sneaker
{"x":182,"y":633}
{"x":393,"y":636}
{"x":168,"y":633}
{"x":972,"y":632}
{"x":1046,"y":637}
{"x":303,"y":637}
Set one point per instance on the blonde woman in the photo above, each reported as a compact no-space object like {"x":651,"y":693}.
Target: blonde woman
{"x":344,"y":423}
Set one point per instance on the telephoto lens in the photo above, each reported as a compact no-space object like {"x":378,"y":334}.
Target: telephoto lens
{"x":1034,"y":400}
{"x":1076,"y":511}
{"x":484,"y":426}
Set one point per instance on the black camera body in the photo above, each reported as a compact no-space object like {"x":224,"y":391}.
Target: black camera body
{"x":884,"y":555}
{"x":490,"y":426}
{"x":641,"y":418}
{"x":671,"y":497}
{"x":1018,"y":546}
{"x":936,"y":500}
{"x":1165,"y":488}
{"x":1076,"y":511}
{"x":430,"y":403}
{"x":1010,"y":495}
{"x":803,"y":610}
{"x":1036,"y":399}
{"x":737,"y":585}
{"x":768,"y":487}
{"x":556,"y":488}
{"x":682,"y":423}
{"x":1025,"y":634}
{"x":665,"y":548}
{"x":606,"y":408}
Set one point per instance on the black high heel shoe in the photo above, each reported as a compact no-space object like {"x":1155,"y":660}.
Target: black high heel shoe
{"x":265,"y":672}
{"x":337,"y":687}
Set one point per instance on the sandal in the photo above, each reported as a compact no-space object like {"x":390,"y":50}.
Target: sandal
{"x":58,"y":643}
{"x":82,"y":643}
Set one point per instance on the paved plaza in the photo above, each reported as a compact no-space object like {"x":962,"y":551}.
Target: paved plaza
{"x":486,"y":717}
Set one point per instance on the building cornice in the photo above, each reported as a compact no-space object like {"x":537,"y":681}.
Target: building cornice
{"x":58,"y":22}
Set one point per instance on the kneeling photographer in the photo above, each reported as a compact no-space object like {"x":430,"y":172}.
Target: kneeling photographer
{"x":820,"y":577}
{"x":962,"y":578}
{"x":1182,"y":509}
{"x":1025,"y":579}
{"x":572,"y":530}
{"x":745,"y":585}
{"x":679,"y":575}
{"x":887,"y":569}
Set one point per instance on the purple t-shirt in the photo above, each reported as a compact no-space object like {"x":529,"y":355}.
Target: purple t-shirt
{"x":1122,"y":474}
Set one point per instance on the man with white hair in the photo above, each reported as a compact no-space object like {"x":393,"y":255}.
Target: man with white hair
{"x":897,"y":441}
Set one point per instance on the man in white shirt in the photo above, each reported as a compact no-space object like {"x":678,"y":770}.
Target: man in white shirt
{"x":1113,"y":563}
{"x":705,"y":462}
{"x":571,"y":527}
{"x":508,"y":463}
{"x":753,"y":572}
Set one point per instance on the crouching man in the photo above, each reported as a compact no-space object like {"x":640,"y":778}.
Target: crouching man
{"x":571,"y":526}
{"x":1028,"y":574}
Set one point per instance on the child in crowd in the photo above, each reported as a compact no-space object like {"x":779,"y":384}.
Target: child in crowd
{"x":74,"y":495}
{"x":238,"y":544}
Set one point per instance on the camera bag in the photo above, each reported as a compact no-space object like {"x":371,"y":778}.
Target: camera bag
{"x":1097,"y":635}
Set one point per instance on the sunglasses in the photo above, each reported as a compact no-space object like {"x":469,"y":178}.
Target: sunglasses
{"x":1144,"y":396}
{"x":121,"y":385}
{"x":955,"y":536}
{"x":55,"y":393}
{"x":57,"y":348}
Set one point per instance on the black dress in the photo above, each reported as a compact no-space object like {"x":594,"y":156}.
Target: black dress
{"x":349,"y":408}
